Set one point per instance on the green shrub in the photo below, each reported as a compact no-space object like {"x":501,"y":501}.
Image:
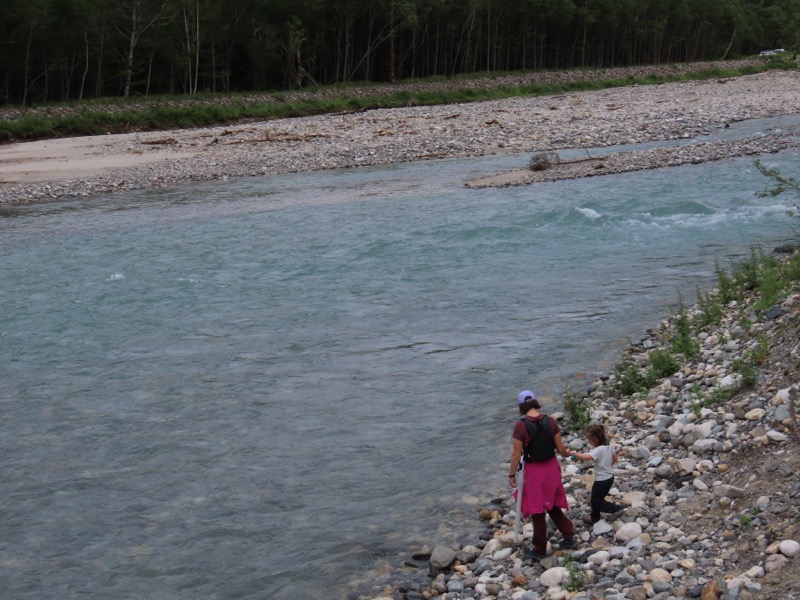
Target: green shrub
{"x":711,"y":310}
{"x":769,"y":288}
{"x":791,"y":269}
{"x":725,"y":285}
{"x":577,"y":577}
{"x":631,"y":379}
{"x":663,"y":364}
{"x":579,"y":410}
{"x":683,"y":340}
{"x":749,"y":274}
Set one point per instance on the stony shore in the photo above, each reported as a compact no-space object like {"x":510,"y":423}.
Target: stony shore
{"x":80,"y":167}
{"x":711,"y":488}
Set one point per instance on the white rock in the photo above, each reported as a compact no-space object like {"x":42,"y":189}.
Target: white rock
{"x":491,"y":547}
{"x":704,"y":429}
{"x":790,"y":548}
{"x":632,"y":497}
{"x":554,"y":577}
{"x":755,"y":572}
{"x":755,"y":415}
{"x":777,"y":436}
{"x":775,"y":563}
{"x":600,"y":557}
{"x":780,"y":397}
{"x":502,"y":554}
{"x":602,"y":527}
{"x":628,"y":532}
{"x":659,"y":574}
{"x":729,"y":381}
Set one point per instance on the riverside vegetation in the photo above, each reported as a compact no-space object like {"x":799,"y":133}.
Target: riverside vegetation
{"x":125,"y":115}
{"x":703,"y":414}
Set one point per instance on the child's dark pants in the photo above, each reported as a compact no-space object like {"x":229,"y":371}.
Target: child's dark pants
{"x":599,"y":503}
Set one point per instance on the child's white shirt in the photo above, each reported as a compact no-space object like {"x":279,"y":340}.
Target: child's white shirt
{"x":602,"y":456}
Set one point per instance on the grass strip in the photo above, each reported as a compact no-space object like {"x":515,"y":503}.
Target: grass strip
{"x":166,"y":112}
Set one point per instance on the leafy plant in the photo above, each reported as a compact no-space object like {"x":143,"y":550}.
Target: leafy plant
{"x":780,"y":184}
{"x":747,"y":516}
{"x":711,"y":310}
{"x":579,"y":413}
{"x":683,"y":340}
{"x":747,"y":273}
{"x":725,"y":285}
{"x":770,"y":283}
{"x":747,"y":370}
{"x":631,"y":378}
{"x":791,"y":268}
{"x":577,"y":578}
{"x":745,"y":520}
{"x":663,"y":364}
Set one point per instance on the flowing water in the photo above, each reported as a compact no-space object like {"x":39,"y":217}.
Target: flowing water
{"x":271,"y":388}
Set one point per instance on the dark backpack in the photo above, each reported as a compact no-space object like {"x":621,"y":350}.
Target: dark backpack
{"x":540,"y":440}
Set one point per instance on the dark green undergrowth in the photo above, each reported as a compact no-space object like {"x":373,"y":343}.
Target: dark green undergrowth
{"x":135,"y":114}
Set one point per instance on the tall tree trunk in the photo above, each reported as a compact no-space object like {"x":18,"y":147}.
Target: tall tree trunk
{"x":391,"y":43}
{"x":133,"y":41}
{"x":27,"y":65}
{"x":138,"y":24}
{"x":85,"y":65}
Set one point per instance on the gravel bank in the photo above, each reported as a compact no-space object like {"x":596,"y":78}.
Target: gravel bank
{"x":710,"y":485}
{"x":624,"y":115}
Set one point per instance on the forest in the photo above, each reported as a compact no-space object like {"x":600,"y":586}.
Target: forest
{"x":65,"y":50}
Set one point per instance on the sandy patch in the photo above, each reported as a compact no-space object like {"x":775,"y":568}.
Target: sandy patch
{"x":73,"y":158}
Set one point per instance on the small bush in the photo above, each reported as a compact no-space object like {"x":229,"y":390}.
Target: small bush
{"x":577,"y":577}
{"x":711,"y":310}
{"x":747,"y":274}
{"x":683,"y":341}
{"x":725,"y":285}
{"x":791,"y":269}
{"x":579,"y":411}
{"x":663,"y":364}
{"x":631,"y":379}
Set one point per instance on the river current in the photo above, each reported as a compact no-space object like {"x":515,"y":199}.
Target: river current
{"x":273,"y":388}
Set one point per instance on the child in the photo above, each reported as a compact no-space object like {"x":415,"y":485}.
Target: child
{"x":604,"y":457}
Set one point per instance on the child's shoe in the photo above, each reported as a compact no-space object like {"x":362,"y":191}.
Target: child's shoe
{"x":530,"y":553}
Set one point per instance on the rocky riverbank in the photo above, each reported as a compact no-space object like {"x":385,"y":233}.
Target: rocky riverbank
{"x":80,"y":167}
{"x":709,"y":480}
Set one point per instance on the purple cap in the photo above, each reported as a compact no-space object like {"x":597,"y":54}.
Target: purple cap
{"x":525,"y":396}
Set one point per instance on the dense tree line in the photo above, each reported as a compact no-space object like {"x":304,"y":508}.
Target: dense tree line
{"x":76,"y":49}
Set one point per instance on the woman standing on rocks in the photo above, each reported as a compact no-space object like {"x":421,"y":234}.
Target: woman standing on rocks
{"x":535,"y":439}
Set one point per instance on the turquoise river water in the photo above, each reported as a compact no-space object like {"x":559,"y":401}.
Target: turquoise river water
{"x":278,"y":387}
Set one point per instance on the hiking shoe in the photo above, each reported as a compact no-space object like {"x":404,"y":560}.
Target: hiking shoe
{"x":532,"y":554}
{"x":616,"y":514}
{"x":568,"y":544}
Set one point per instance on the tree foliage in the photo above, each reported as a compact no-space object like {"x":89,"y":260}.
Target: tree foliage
{"x":57,"y":50}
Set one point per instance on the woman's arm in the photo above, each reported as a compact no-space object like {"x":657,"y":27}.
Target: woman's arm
{"x":516,"y":453}
{"x":562,"y":450}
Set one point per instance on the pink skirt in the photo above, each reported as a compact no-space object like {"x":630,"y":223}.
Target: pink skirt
{"x":543,"y":489}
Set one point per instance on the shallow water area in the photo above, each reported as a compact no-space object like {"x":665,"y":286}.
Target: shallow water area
{"x":266,"y":388}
